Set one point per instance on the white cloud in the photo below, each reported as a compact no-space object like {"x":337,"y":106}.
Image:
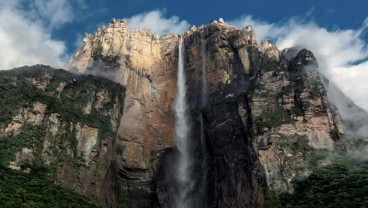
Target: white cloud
{"x":26,"y":32}
{"x":53,"y":12}
{"x":27,"y":26}
{"x":157,"y":23}
{"x":24,"y":42}
{"x":78,"y":40}
{"x":336,"y":52}
{"x":261,"y":28}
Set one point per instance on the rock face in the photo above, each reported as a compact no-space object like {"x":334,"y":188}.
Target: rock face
{"x":146,"y":64}
{"x":264,"y":111}
{"x":259,"y":117}
{"x":45,"y":128}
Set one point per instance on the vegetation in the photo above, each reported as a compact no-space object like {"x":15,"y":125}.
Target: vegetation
{"x":273,"y":118}
{"x":19,"y":89}
{"x":18,"y":189}
{"x":344,"y":183}
{"x":17,"y":92}
{"x":9,"y":144}
{"x":271,"y":66}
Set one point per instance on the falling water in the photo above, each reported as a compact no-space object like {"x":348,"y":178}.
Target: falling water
{"x":182,"y":129}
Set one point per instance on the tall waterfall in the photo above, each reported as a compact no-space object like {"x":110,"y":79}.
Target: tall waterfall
{"x":182,"y":131}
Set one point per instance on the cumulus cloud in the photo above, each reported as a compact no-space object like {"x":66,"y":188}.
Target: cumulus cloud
{"x":342,"y":55}
{"x":157,"y":23}
{"x":261,"y":28}
{"x":26,"y":32}
{"x":53,"y":12}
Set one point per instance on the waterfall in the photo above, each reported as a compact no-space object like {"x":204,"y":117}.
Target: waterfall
{"x":182,"y":130}
{"x":191,"y":166}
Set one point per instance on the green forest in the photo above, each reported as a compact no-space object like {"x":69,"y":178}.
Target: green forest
{"x":23,"y":190}
{"x":344,"y":183}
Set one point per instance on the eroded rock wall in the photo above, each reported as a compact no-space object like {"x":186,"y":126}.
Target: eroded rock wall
{"x":266,"y":113}
{"x":146,"y":64}
{"x":63,"y":126}
{"x":265,"y":110}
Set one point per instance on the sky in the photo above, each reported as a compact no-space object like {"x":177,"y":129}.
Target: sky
{"x":48,"y":32}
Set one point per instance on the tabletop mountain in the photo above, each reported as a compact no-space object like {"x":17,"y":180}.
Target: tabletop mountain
{"x":259,"y":117}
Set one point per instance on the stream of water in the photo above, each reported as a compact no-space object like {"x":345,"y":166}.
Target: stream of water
{"x":182,"y":130}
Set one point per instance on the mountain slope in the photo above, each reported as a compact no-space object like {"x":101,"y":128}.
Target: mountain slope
{"x":344,"y":183}
{"x":19,"y":189}
{"x":62,"y":126}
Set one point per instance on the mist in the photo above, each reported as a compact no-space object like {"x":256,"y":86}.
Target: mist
{"x":342,"y":57}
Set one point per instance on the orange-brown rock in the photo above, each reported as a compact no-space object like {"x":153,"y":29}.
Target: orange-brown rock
{"x":145,"y":64}
{"x":263,"y":111}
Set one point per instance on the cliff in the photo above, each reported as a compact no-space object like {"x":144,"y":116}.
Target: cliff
{"x":61,"y":126}
{"x":146,"y":64}
{"x":259,"y":117}
{"x":257,"y":113}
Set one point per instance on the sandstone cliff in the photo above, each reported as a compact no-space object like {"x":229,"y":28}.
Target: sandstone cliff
{"x":146,"y":64}
{"x":264,"y":111}
{"x":63,"y":126}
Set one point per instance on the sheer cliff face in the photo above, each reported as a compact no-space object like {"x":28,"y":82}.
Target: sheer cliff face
{"x":264,"y":110}
{"x":146,"y":64}
{"x":63,"y":126}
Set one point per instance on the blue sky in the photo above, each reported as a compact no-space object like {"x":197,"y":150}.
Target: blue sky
{"x":65,"y":21}
{"x":331,"y":14}
{"x":49,"y":31}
